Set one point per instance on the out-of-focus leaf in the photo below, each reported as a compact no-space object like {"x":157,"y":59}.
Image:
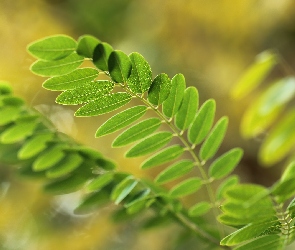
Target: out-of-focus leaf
{"x":8,"y":114}
{"x":232,"y":180}
{"x":187,"y":111}
{"x":255,"y":74}
{"x":120,"y":66}
{"x":246,"y":233}
{"x":173,"y":102}
{"x":202,"y":123}
{"x":49,"y":158}
{"x":140,"y":78}
{"x":289,"y":172}
{"x":100,"y":181}
{"x":86,"y":93}
{"x":280,"y":140}
{"x":34,"y":145}
{"x":199,"y":209}
{"x":104,"y":104}
{"x":267,"y":107}
{"x":5,"y":88}
{"x":123,"y":189}
{"x":214,"y":139}
{"x":186,"y":187}
{"x":225,"y":164}
{"x":175,"y":171}
{"x":69,"y":163}
{"x":150,"y":144}
{"x":14,"y":101}
{"x":52,"y":47}
{"x":284,"y":190}
{"x":121,"y":120}
{"x":137,"y":132}
{"x":101,"y":56}
{"x":57,"y":68}
{"x":269,"y":242}
{"x":86,"y":45}
{"x":72,"y":80}
{"x":166,"y":155}
{"x":160,"y":89}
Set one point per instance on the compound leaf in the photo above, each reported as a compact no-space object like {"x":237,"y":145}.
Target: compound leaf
{"x":52,"y":47}
{"x":214,"y":139}
{"x":202,"y":123}
{"x":59,"y":67}
{"x":120,"y":66}
{"x":175,"y":171}
{"x":104,"y":104}
{"x":166,"y":155}
{"x":86,"y":45}
{"x":188,"y":108}
{"x":85,"y":93}
{"x":159,"y":90}
{"x":225,"y":164}
{"x":137,"y":132}
{"x":173,"y":101}
{"x":140,"y":78}
{"x":121,"y":120}
{"x":150,"y":144}
{"x":72,"y":80}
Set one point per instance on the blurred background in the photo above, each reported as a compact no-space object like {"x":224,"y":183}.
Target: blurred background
{"x":210,"y":42}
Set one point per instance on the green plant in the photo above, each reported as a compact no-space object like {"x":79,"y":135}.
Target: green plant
{"x":164,"y":120}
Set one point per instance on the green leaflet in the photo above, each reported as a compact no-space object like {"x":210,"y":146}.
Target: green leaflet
{"x":86,"y":45}
{"x":69,"y":163}
{"x":49,"y":158}
{"x":269,"y":242}
{"x":284,"y":190}
{"x":173,"y":102}
{"x":8,"y":114}
{"x":5,"y":88}
{"x":186,"y":187}
{"x":59,"y":67}
{"x":100,"y":182}
{"x":119,"y":65}
{"x":137,"y":132}
{"x":93,"y":201}
{"x":138,"y":202}
{"x":8,"y":100}
{"x":255,"y":74}
{"x":121,"y":120}
{"x":266,"y":108}
{"x":18,"y":131}
{"x":52,"y":47}
{"x":225,"y":164}
{"x":214,"y":139}
{"x":34,"y":145}
{"x":246,"y":233}
{"x":289,"y":172}
{"x":101,"y":56}
{"x":187,"y":111}
{"x":123,"y":189}
{"x":72,"y":80}
{"x":140,"y":78}
{"x":166,"y":155}
{"x":159,"y":90}
{"x":199,"y":209}
{"x":232,"y":180}
{"x":66,"y":185}
{"x":104,"y":104}
{"x":86,"y":93}
{"x":150,"y":144}
{"x":202,"y":123}
{"x":280,"y":140}
{"x":175,"y":171}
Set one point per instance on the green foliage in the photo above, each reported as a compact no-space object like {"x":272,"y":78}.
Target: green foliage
{"x":168,"y":125}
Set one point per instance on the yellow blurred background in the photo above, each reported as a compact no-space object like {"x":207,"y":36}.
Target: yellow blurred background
{"x":211,"y":42}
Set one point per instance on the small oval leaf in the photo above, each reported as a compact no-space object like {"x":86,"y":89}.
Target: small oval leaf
{"x":101,"y":56}
{"x":159,"y":90}
{"x":123,"y":189}
{"x":100,"y":181}
{"x":120,"y":66}
{"x":186,"y":187}
{"x":199,"y":209}
{"x":72,"y":80}
{"x":150,"y":144}
{"x":104,"y":104}
{"x":52,"y":47}
{"x":137,"y":132}
{"x":121,"y":120}
{"x":86,"y":45}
